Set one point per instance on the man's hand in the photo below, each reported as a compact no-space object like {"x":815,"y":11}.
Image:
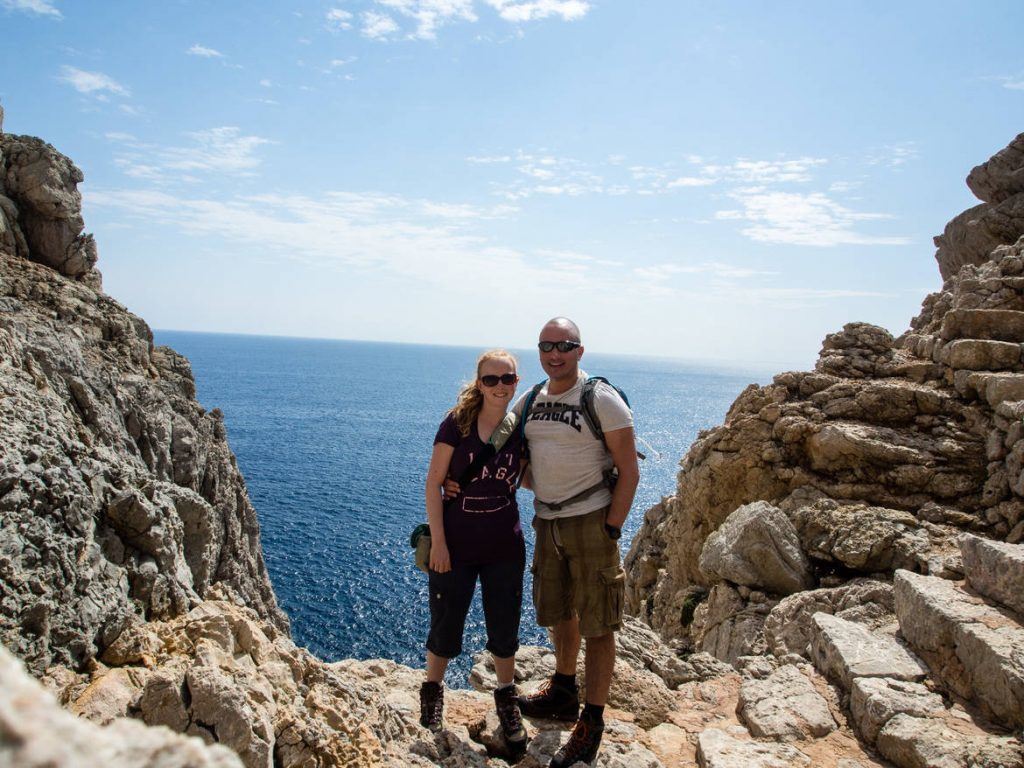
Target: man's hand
{"x":440,"y":560}
{"x":622,"y":447}
{"x":450,"y":489}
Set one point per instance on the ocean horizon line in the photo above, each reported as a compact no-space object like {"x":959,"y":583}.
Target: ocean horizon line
{"x":724,"y":366}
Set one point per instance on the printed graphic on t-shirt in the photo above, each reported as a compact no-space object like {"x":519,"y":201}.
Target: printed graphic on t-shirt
{"x":565,"y":413}
{"x":504,"y":467}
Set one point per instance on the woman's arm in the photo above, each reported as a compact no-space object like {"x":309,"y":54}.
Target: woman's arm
{"x":525,"y":478}
{"x":440,"y":459}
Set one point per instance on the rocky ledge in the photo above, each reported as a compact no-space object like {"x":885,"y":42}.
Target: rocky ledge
{"x":836,"y":581}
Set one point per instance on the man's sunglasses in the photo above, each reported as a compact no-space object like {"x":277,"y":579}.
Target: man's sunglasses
{"x":561,"y":346}
{"x":490,"y":380}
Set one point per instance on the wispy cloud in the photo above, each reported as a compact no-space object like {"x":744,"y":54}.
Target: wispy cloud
{"x":531,"y":10}
{"x":37,"y":7}
{"x":428,"y":15}
{"x":338,"y":18}
{"x":894,"y":155}
{"x":94,"y":84}
{"x":489,"y":159}
{"x":204,"y":52}
{"x":396,"y":237}
{"x":378,"y":26}
{"x":224,"y":150}
{"x":797,"y":218}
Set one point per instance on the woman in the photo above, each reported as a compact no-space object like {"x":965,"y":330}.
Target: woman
{"x":476,"y":535}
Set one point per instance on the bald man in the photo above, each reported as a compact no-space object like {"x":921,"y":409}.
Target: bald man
{"x":578,"y":580}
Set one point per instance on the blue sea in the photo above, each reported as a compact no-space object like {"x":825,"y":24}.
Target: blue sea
{"x":334,"y":438}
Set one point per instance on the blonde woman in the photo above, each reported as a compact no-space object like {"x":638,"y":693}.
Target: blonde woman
{"x":476,"y":535}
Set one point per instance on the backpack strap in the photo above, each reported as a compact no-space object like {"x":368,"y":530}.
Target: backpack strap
{"x":524,"y":416}
{"x":495,"y":443}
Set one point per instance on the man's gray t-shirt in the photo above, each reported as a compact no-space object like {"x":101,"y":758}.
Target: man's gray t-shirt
{"x":565,"y":457}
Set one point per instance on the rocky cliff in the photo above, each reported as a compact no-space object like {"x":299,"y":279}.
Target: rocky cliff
{"x":815,"y":598}
{"x":836,"y":501}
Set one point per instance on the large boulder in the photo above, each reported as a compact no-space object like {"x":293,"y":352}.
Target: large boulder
{"x":757,"y":546}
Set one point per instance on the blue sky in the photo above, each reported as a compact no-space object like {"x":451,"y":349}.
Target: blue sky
{"x":721,"y":181}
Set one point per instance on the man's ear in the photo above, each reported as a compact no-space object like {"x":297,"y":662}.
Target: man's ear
{"x":579,"y":353}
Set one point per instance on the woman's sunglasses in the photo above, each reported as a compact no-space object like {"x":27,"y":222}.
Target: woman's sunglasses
{"x":561,"y":346}
{"x":490,"y":380}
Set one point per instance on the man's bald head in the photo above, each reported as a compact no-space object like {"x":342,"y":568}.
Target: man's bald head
{"x":564,"y":324}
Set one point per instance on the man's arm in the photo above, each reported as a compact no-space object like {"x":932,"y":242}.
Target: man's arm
{"x":622,"y":447}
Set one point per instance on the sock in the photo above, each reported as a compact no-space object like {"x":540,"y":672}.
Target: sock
{"x":566,"y":681}
{"x":504,"y":687}
{"x":593,"y":713}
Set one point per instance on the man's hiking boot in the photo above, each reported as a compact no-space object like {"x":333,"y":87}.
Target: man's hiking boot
{"x":431,"y":706}
{"x":552,"y":701}
{"x":582,"y":745}
{"x":511,"y":720}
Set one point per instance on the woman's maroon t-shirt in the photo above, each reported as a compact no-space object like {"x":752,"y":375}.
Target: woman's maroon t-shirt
{"x":481,"y":524}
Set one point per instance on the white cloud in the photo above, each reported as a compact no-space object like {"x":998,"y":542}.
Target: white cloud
{"x":338,"y":18}
{"x":690,"y":181}
{"x":793,"y":218}
{"x":894,"y":155}
{"x":38,"y":7}
{"x":489,"y":159}
{"x":431,"y":14}
{"x":335,"y":63}
{"x":764,"y":171}
{"x":224,"y":150}
{"x":1014,"y":84}
{"x":378,"y":26}
{"x":530,"y":10}
{"x":399,"y":238}
{"x":92,"y":83}
{"x":266,"y":83}
{"x":202,"y":50}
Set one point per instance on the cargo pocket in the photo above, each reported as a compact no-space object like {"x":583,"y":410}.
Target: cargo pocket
{"x":613,"y":581}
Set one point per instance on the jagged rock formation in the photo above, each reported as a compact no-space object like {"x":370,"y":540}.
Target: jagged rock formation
{"x":975,"y":233}
{"x":865,"y":478}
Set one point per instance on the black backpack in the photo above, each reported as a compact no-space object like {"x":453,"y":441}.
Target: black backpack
{"x":587,"y":406}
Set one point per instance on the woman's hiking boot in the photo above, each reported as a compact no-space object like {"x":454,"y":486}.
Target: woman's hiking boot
{"x":511,"y":720}
{"x":582,"y":745}
{"x":432,"y":706}
{"x":552,"y":701}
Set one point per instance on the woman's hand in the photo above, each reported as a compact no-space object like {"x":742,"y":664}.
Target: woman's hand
{"x":440,"y":560}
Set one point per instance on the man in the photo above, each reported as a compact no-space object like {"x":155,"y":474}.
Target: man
{"x":578,"y":580}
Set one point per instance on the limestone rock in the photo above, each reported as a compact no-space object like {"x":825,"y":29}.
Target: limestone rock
{"x":973,"y":235}
{"x":728,"y":626}
{"x":757,"y":546}
{"x":996,"y":570}
{"x":843,"y":651}
{"x":789,"y":627}
{"x":785,"y":706}
{"x":43,"y":185}
{"x":876,"y":700}
{"x":867,"y":538}
{"x":860,"y":350}
{"x":717,"y":749}
{"x":914,"y":742}
{"x":35,"y":733}
{"x":971,"y":647}
{"x":138,"y":523}
{"x":1002,"y":176}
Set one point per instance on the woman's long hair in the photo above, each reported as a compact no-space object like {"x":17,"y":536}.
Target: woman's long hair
{"x":471,"y":399}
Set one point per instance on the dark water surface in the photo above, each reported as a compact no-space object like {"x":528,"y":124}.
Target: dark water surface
{"x":334,"y":437}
